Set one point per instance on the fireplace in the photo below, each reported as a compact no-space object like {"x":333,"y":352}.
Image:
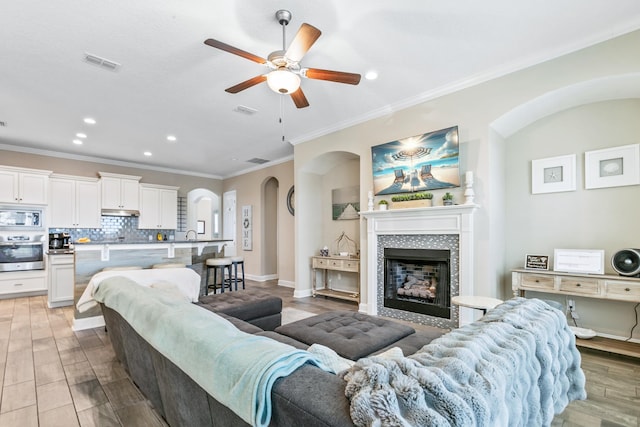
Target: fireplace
{"x":448,"y":228}
{"x":418,"y":281}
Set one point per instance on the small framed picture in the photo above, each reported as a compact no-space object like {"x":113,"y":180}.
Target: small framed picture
{"x":587,"y":261}
{"x":612,"y":167}
{"x":536,"y":262}
{"x":553,"y":174}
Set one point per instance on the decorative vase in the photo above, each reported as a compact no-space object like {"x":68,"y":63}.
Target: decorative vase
{"x":447,"y":202}
{"x":382,"y":207}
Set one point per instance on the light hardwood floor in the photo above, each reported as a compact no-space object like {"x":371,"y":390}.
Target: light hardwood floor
{"x":52,"y":376}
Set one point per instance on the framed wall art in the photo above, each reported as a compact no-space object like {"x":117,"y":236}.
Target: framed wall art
{"x":612,"y":167}
{"x":553,"y":174}
{"x":419,"y":163}
{"x":345,"y":203}
{"x":247,"y":228}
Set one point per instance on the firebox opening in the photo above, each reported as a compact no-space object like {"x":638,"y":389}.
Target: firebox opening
{"x":418,"y":280}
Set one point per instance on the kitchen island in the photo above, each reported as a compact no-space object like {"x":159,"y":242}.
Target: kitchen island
{"x":92,"y":257}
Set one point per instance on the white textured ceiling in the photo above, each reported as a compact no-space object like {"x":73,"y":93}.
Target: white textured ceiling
{"x":171,"y":83}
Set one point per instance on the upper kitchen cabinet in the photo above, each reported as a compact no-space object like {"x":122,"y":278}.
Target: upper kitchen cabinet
{"x":75,"y":202}
{"x":158,"y":206}
{"x":25,"y":186}
{"x":120,"y":191}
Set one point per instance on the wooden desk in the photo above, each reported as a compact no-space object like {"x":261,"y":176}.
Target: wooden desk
{"x":343,"y":264}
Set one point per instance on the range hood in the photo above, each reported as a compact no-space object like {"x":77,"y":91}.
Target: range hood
{"x":120,"y":212}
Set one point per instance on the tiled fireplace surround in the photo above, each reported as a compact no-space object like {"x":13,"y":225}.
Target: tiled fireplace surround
{"x":440,"y":227}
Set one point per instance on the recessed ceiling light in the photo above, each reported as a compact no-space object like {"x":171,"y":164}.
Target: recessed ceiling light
{"x":172,"y":138}
{"x":77,"y":142}
{"x":81,"y":135}
{"x":90,"y":121}
{"x":371,"y":75}
{"x":147,"y":153}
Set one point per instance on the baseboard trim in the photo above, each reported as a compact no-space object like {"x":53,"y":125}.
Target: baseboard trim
{"x":302,"y":293}
{"x":261,"y":278}
{"x":87,"y":323}
{"x":286,"y":283}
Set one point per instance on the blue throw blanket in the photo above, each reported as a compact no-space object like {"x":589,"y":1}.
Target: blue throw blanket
{"x":517,"y":366}
{"x":236,"y":368}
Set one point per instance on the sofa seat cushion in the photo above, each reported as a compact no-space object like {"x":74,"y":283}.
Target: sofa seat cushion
{"x":350,"y":334}
{"x":245,"y":305}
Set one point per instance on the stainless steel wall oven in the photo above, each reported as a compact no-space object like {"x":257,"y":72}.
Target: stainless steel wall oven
{"x":21,"y":252}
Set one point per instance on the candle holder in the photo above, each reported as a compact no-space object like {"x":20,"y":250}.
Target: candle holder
{"x":469,"y":194}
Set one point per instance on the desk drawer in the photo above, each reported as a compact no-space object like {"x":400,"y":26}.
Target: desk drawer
{"x":320,"y":262}
{"x":579,"y":285}
{"x":536,"y":281}
{"x":350,"y":265}
{"x":623,"y":290}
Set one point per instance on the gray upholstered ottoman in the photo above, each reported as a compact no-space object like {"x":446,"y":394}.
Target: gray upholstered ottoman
{"x":251,"y":305}
{"x":350,"y":334}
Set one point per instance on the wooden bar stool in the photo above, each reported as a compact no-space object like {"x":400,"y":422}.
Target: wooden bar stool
{"x":217,"y":264}
{"x":235,"y":261}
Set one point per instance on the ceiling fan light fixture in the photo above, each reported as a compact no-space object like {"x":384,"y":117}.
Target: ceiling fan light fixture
{"x":283,"y":81}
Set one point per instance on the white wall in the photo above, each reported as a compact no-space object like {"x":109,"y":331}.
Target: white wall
{"x":604,"y":218}
{"x":478,"y":111}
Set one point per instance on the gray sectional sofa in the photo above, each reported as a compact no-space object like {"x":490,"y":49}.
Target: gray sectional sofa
{"x":309,"y":396}
{"x":534,"y":362}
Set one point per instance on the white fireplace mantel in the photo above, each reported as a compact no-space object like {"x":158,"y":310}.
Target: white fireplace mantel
{"x":457,"y":219}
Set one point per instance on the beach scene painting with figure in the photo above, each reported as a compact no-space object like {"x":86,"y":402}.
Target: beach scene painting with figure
{"x":419,"y":163}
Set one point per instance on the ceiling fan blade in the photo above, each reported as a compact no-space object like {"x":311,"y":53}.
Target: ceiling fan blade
{"x":302,"y":42}
{"x":228,"y":48}
{"x":246,"y":84}
{"x":332,"y":76}
{"x":299,"y":99}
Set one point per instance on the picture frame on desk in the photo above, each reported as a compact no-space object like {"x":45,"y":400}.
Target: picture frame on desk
{"x":586,"y":261}
{"x":536,"y":262}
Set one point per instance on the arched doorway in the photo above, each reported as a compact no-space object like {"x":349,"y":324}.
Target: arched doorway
{"x":203,"y":214}
{"x":269,"y":250}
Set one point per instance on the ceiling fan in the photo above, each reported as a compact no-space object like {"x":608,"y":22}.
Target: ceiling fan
{"x":284,"y":77}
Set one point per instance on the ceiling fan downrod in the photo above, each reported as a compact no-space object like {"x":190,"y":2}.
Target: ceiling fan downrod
{"x":283,"y":17}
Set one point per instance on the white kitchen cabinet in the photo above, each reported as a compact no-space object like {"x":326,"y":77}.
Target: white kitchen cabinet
{"x":120,"y":191}
{"x":75,"y":202}
{"x":61,"y":280}
{"x":15,"y":283}
{"x":26,"y":186}
{"x":158,"y":206}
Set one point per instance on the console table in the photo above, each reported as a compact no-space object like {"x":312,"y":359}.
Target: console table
{"x":342,"y":264}
{"x":601,"y":286}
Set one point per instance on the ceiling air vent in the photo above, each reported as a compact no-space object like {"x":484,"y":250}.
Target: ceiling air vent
{"x":258,"y":161}
{"x":101,"y":62}
{"x":245,"y":110}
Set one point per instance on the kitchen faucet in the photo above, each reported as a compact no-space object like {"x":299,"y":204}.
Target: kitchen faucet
{"x":186,"y":237}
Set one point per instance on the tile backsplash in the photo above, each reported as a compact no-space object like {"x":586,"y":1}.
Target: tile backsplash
{"x":117,"y":228}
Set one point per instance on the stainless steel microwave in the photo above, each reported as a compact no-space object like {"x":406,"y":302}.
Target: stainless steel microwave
{"x":20,"y":218}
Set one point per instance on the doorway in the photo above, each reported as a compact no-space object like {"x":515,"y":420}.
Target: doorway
{"x":229,"y":222}
{"x":270,"y":228}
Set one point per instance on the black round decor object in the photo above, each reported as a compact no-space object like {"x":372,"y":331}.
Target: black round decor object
{"x":626,"y":262}
{"x":290,"y":202}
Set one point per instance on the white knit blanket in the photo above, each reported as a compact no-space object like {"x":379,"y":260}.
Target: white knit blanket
{"x":517,"y":366}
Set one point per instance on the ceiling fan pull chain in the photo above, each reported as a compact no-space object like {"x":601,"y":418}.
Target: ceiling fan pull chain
{"x":281,"y":121}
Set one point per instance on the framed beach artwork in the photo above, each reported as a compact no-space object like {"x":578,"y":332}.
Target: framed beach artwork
{"x":345,"y":203}
{"x":419,"y":163}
